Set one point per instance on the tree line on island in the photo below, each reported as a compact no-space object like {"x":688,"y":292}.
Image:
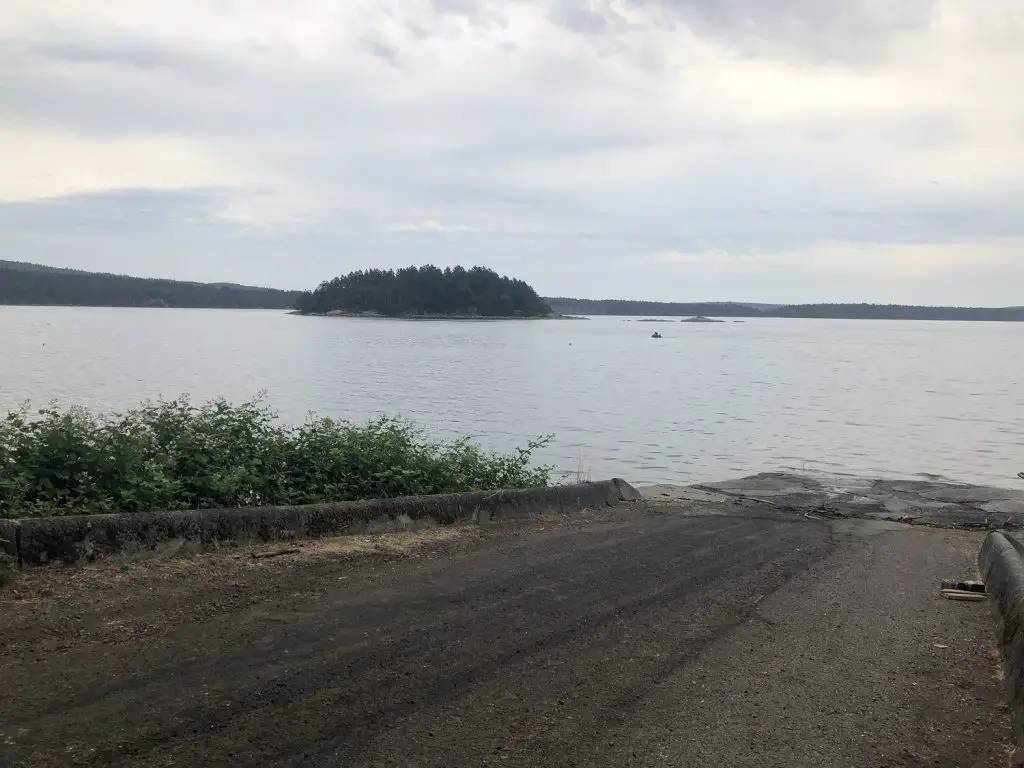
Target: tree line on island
{"x":425,"y":292}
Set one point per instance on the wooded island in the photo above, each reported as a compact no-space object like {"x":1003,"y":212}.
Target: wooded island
{"x":424,"y":292}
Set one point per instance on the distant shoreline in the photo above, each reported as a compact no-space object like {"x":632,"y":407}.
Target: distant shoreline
{"x":23,"y":284}
{"x":648,"y":309}
{"x":668,"y":318}
{"x":459,"y":318}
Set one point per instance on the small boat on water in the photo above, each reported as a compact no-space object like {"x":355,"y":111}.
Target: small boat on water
{"x":656,"y":335}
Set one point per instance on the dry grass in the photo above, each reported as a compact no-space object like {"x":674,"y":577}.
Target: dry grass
{"x":57,"y":582}
{"x":403,"y":543}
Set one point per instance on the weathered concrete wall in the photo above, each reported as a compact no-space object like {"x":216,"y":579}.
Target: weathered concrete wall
{"x":70,"y":540}
{"x":1001,"y":563}
{"x":9,"y":537}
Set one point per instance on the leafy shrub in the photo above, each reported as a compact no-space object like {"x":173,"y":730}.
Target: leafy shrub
{"x":172,"y":454}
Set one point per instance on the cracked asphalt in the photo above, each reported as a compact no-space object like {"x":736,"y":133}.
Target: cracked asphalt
{"x":654,"y":634}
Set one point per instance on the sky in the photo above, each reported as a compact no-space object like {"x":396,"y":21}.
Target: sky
{"x":677,"y":150}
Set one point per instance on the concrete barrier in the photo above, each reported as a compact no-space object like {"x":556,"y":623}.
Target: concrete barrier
{"x":84,"y":538}
{"x":9,"y":537}
{"x":1001,"y":563}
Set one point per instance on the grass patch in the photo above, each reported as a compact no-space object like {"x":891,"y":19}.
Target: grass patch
{"x":173,"y":454}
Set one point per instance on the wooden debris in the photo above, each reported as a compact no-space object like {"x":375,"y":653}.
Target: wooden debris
{"x":275,"y":553}
{"x":958,"y":594}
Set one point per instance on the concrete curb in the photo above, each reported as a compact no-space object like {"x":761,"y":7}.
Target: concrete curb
{"x":9,"y":537}
{"x":85,"y":538}
{"x":1001,"y":563}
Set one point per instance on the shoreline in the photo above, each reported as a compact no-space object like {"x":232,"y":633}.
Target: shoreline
{"x":460,"y":318}
{"x":77,"y":539}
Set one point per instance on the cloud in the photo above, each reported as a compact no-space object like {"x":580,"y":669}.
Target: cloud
{"x":555,"y":139}
{"x":967,"y":273}
{"x":819,"y":29}
{"x":44,"y":163}
{"x":890,"y":262}
{"x":429,"y":226}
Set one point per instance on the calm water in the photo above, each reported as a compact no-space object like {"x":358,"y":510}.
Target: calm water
{"x":706,"y":402}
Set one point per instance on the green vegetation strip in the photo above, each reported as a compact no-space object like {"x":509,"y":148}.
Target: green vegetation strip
{"x":173,"y":454}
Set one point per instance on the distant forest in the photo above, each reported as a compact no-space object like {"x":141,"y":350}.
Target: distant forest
{"x":422,"y":291}
{"x":34,"y":284}
{"x":425,"y":291}
{"x":821,"y":311}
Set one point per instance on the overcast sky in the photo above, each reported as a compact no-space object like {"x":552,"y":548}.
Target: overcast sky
{"x":777,"y":151}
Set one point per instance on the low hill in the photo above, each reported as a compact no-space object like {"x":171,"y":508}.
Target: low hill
{"x":818,"y":311}
{"x":628,"y":308}
{"x":425,"y":292}
{"x":36,"y":284}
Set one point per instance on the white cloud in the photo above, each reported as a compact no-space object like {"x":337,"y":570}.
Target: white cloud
{"x":429,"y":226}
{"x":549,"y":135}
{"x":43,"y":163}
{"x":886,"y":261}
{"x":985,"y":272}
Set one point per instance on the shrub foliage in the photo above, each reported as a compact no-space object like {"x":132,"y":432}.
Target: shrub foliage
{"x":173,"y":454}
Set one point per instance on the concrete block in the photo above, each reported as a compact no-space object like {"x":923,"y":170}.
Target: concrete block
{"x":77,"y":539}
{"x":1002,"y":568}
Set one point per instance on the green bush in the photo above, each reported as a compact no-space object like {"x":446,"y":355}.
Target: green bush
{"x":171,"y":454}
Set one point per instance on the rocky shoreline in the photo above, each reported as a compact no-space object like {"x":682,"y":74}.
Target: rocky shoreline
{"x":915,"y":502}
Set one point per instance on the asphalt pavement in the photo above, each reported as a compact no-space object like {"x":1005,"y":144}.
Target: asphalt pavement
{"x":678,"y":633}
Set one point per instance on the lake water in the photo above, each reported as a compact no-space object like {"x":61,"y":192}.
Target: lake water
{"x":706,"y":402}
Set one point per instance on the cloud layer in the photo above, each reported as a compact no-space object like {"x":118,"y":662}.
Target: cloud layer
{"x":671,"y":149}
